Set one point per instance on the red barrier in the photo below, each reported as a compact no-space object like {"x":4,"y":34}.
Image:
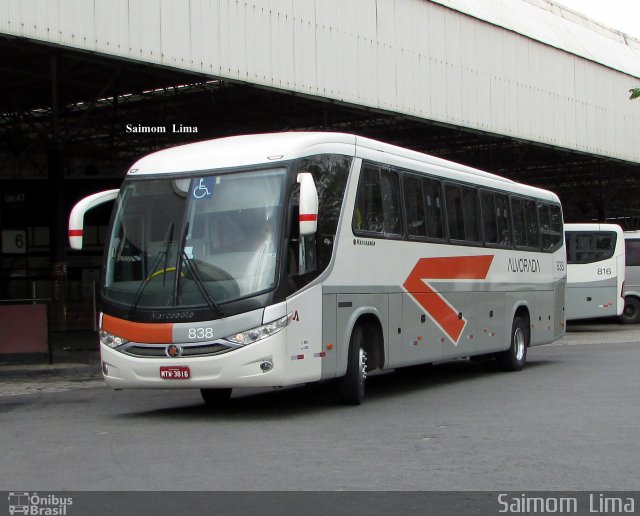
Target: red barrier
{"x":23,"y":329}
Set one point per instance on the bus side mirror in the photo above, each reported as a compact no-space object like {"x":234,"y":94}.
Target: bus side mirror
{"x":76,"y":219}
{"x":308,"y":218}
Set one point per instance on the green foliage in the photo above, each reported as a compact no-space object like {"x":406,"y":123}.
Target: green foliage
{"x":635,"y":93}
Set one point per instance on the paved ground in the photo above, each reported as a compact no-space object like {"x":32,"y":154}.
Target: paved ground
{"x":76,"y":361}
{"x":568,"y":421}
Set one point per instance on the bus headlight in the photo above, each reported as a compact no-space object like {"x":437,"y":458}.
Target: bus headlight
{"x":259,"y":333}
{"x":111,"y":340}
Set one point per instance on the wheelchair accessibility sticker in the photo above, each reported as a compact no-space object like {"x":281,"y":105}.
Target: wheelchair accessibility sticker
{"x":203,"y":188}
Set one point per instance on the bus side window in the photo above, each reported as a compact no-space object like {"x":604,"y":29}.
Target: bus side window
{"x":495,"y":218}
{"x":525,"y":223}
{"x":532,"y":224}
{"x":455,"y":219}
{"x":423,"y":207}
{"x":556,"y":226}
{"x":377,"y":208}
{"x":550,"y":219}
{"x":503,"y":220}
{"x":471,"y":214}
{"x":433,"y":205}
{"x":489,"y":217}
{"x":414,"y":203}
{"x":307,"y":256}
{"x":462,"y":213}
{"x":632,"y":253}
{"x":301,"y":253}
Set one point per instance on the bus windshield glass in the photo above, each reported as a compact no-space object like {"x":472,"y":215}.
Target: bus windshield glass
{"x":194,"y":241}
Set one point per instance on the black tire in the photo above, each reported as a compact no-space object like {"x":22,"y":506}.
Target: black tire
{"x":351,"y":387}
{"x":515,"y":357}
{"x":216,"y":397}
{"x":631,"y":311}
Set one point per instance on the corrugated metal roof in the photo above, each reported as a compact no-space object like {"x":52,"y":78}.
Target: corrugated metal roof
{"x":557,"y":26}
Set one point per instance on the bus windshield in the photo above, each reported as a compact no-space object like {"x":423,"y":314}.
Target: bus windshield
{"x":195,"y":241}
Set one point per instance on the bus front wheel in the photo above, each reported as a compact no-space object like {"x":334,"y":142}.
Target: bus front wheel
{"x":216,"y":397}
{"x":631,"y":311}
{"x":515,"y":357}
{"x":351,"y":386}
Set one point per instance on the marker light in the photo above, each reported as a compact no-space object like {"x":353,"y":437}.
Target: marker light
{"x":111,"y":340}
{"x":259,"y":333}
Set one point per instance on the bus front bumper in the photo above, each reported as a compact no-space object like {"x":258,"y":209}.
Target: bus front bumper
{"x":261,"y":364}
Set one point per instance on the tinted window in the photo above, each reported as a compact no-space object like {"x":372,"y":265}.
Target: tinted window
{"x":632,"y":252}
{"x":583,"y":247}
{"x":462,"y":213}
{"x":550,"y":217}
{"x":330,"y":174}
{"x":433,"y":206}
{"x":422,"y":207}
{"x":525,"y":223}
{"x":378,"y":202}
{"x":495,"y":219}
{"x":414,"y":206}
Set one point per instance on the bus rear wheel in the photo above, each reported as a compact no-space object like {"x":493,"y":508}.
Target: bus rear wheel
{"x":631,"y":311}
{"x":515,"y":357}
{"x":351,"y":387}
{"x":216,"y":397}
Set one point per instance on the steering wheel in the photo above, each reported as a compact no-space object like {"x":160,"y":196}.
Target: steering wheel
{"x":210,"y":272}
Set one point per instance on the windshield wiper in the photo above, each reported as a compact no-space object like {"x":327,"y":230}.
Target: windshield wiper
{"x":193,"y":269}
{"x":166,"y":255}
{"x":143,"y":285}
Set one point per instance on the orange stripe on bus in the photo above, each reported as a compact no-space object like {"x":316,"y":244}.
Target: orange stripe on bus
{"x":149,"y":333}
{"x":445,"y":268}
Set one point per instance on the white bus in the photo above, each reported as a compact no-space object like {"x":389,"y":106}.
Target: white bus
{"x":631,"y":312}
{"x":281,"y":259}
{"x":595,"y":270}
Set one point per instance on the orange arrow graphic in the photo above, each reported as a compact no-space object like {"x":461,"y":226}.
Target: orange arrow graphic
{"x":445,"y":268}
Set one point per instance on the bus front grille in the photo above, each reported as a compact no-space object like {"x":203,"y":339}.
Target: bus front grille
{"x":192,"y":350}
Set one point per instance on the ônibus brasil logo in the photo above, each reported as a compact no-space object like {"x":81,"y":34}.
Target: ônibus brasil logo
{"x":21,"y":502}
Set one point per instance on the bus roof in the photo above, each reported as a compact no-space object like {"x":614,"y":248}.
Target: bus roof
{"x":593,"y":226}
{"x":260,"y":149}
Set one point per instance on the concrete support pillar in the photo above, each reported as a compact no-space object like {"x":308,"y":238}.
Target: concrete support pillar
{"x":57,"y":207}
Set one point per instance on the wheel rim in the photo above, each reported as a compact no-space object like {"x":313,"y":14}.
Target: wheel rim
{"x":630,"y":311}
{"x":362,"y":367}
{"x":519,"y":343}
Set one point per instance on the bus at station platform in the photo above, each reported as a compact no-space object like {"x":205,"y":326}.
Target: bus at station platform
{"x":631,"y":312}
{"x":281,"y":259}
{"x":595,"y":270}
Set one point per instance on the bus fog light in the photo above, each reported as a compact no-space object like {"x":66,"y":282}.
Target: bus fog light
{"x":266,"y":366}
